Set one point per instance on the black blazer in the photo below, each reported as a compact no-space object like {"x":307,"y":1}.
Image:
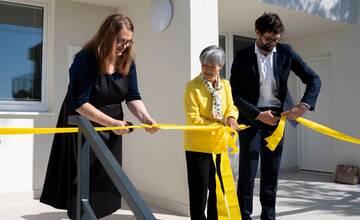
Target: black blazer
{"x":245,"y":79}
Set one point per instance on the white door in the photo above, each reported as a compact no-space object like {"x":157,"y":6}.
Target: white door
{"x":316,"y":150}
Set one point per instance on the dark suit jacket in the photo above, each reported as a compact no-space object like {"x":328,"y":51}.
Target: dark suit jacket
{"x":245,"y":83}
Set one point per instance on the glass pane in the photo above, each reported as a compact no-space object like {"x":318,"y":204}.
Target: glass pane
{"x":222,"y":44}
{"x":241,"y":42}
{"x":21,"y":43}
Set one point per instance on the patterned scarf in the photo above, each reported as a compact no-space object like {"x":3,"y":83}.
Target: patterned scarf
{"x":215,"y":93}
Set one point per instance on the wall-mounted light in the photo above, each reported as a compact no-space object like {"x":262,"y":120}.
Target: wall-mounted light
{"x":160,"y":15}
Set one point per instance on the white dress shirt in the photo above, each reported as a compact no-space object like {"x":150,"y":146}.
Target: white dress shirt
{"x":268,"y":88}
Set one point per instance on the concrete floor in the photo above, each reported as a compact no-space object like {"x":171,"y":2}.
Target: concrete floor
{"x":300,"y":196}
{"x":314,"y":196}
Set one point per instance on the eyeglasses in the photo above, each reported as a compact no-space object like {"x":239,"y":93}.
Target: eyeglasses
{"x":124,"y":43}
{"x":271,"y":40}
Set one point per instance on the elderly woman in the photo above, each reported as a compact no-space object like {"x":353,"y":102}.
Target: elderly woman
{"x":207,"y":101}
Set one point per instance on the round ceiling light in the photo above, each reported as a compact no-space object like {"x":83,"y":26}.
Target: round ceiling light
{"x":161,"y":15}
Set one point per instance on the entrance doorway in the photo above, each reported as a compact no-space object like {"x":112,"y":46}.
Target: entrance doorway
{"x":316,"y":150}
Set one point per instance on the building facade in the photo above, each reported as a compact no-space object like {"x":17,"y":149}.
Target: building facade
{"x":38,"y":39}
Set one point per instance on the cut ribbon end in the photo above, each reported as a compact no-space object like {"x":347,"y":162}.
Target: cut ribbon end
{"x":274,"y":139}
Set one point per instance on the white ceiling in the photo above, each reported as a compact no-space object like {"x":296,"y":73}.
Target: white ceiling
{"x":238,"y":16}
{"x":109,"y":3}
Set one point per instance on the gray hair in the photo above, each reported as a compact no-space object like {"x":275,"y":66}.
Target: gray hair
{"x":213,"y":55}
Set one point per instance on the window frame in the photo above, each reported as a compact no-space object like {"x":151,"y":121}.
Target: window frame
{"x":34,"y":106}
{"x":227,"y":53}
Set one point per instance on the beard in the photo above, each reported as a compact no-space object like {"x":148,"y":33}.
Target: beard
{"x":265,"y":47}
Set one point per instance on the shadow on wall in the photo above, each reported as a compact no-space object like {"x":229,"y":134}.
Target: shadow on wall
{"x":337,"y":10}
{"x":307,"y":194}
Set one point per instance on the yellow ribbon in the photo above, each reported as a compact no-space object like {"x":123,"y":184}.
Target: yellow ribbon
{"x":230,"y":137}
{"x":274,"y":139}
{"x":227,"y":201}
{"x":327,"y":131}
{"x":8,"y":131}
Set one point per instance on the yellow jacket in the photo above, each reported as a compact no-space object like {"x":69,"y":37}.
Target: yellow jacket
{"x":198,"y":111}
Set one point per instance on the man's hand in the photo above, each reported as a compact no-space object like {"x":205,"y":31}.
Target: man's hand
{"x":295,"y":112}
{"x":267,"y":117}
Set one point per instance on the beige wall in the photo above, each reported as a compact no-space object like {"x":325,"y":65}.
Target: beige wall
{"x":20,"y":165}
{"x":155,"y":163}
{"x":289,"y":160}
{"x":71,"y":27}
{"x":166,"y":61}
{"x":343,"y":47}
{"x":23,"y":159}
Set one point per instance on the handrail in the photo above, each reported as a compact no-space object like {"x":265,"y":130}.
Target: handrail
{"x":111,"y":166}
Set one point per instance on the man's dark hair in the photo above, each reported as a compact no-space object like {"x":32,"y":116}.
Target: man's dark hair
{"x":269,"y":22}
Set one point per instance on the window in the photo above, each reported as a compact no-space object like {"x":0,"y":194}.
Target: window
{"x":21,"y":57}
{"x":230,"y":47}
{"x":222,"y":44}
{"x":241,"y":43}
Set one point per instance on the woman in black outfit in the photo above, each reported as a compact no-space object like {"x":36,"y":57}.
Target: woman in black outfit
{"x":102,"y":76}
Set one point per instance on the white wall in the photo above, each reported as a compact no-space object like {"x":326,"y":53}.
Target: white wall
{"x":290,"y":155}
{"x":166,"y":61}
{"x":204,"y":30}
{"x":18,"y":158}
{"x":155,"y":163}
{"x":74,"y":23}
{"x":343,"y":47}
{"x":23,"y":159}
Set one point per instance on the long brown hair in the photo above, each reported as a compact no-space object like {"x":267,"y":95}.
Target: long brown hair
{"x":103,"y":44}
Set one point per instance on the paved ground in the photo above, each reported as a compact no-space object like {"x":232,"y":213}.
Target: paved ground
{"x":309,"y":196}
{"x":300,"y":196}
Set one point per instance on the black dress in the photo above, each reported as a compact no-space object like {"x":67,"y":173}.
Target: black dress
{"x":106,"y":93}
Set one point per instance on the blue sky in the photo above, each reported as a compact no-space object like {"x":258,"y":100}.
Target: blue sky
{"x":15,"y":44}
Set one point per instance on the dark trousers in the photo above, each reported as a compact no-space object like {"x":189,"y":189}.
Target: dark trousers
{"x":201,"y":180}
{"x":252,"y":144}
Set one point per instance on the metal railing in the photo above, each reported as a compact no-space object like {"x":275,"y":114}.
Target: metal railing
{"x":111,"y":166}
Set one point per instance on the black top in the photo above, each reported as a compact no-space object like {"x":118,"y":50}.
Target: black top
{"x":105,"y":92}
{"x":84,"y":72}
